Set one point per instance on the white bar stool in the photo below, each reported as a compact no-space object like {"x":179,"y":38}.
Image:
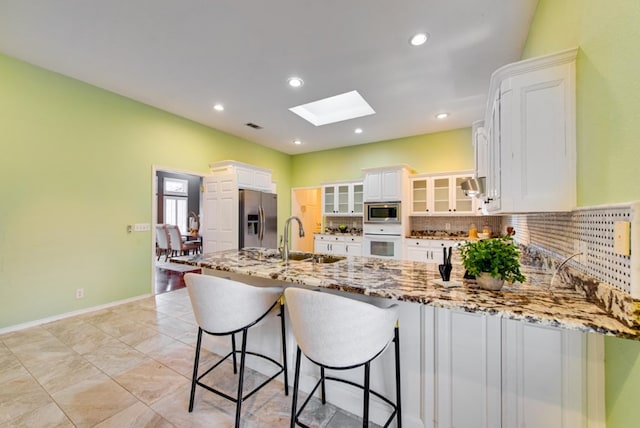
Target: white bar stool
{"x":224,"y":307}
{"x":339,"y":333}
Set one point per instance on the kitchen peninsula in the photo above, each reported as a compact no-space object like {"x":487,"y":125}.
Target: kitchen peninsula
{"x":533,"y":302}
{"x":467,"y":355}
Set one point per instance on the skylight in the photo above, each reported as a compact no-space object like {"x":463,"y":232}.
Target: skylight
{"x":334,"y":109}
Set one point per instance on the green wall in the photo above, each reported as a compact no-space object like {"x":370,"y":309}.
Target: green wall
{"x":76,"y":168}
{"x":608,"y":126}
{"x":438,"y":152}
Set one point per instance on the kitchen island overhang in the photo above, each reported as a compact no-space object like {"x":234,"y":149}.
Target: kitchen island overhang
{"x":565,"y":306}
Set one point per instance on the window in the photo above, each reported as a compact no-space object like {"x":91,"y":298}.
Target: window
{"x":175,"y":202}
{"x":175,"y":212}
{"x":176,"y":187}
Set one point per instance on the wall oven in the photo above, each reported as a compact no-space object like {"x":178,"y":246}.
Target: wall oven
{"x":382,"y":212}
{"x":382,"y":241}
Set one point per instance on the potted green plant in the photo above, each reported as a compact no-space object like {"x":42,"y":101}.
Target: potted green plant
{"x":492,"y":261}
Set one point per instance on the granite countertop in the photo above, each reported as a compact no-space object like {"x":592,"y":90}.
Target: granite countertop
{"x":564,"y":305}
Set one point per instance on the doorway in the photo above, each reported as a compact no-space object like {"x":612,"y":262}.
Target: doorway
{"x":177,"y":200}
{"x":306,"y":203}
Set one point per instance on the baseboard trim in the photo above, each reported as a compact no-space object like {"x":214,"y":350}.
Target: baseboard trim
{"x":35,"y":323}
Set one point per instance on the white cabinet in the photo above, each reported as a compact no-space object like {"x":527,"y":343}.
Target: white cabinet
{"x":220,"y":201}
{"x":220,"y":213}
{"x":341,"y":245}
{"x":386,"y":184}
{"x":426,"y":250}
{"x":468,"y":370}
{"x":544,"y":377}
{"x":247,"y":176}
{"x":494,"y":372}
{"x":530,"y":130}
{"x":343,"y":199}
{"x":421,"y":192}
{"x":480,"y":149}
{"x":441,"y":194}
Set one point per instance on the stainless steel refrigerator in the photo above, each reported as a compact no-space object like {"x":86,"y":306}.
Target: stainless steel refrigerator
{"x":258,"y":219}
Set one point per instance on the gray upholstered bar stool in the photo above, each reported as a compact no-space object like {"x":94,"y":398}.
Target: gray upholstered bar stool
{"x":339,"y":333}
{"x":224,"y":307}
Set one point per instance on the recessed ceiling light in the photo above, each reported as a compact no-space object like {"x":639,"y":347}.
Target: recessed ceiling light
{"x":295,"y":82}
{"x":442,"y":115}
{"x":218,"y":107}
{"x":297,"y":142}
{"x":334,"y":109}
{"x":418,"y":39}
{"x":358,"y":131}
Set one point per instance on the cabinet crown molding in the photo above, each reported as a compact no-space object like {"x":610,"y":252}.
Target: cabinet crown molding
{"x":226,"y":164}
{"x":528,"y":65}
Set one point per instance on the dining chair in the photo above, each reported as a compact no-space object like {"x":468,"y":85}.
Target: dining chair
{"x":162,"y":241}
{"x":177,"y":244}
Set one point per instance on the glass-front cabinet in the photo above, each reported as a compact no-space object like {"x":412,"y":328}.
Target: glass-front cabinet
{"x":420,"y":192}
{"x":441,"y":195}
{"x":342,"y":199}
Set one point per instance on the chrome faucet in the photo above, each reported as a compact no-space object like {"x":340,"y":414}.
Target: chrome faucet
{"x":561,"y":265}
{"x":285,"y":253}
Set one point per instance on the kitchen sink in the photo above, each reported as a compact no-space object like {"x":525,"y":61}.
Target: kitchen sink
{"x":300,"y":256}
{"x":318,"y":258}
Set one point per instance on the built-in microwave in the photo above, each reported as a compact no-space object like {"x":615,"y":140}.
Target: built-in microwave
{"x":382,"y":212}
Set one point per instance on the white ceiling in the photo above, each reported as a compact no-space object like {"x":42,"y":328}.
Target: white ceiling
{"x":184,"y":56}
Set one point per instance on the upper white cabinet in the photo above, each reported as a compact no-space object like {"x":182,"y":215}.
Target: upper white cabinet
{"x":386,"y":184}
{"x":480,"y":148}
{"x":441,"y":195}
{"x":247,"y":176}
{"x":530,"y":135}
{"x":344,"y":199}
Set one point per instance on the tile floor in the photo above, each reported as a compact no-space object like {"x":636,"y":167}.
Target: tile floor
{"x":129,"y":366}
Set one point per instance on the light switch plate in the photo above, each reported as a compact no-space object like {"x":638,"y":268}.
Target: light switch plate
{"x":141,"y":227}
{"x":622,"y":237}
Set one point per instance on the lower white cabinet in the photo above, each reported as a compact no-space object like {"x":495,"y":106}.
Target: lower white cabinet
{"x":341,"y":245}
{"x":494,"y":372}
{"x":468,"y":370}
{"x":426,"y":250}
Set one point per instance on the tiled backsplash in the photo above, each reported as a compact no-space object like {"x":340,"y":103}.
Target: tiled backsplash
{"x":456,"y":224}
{"x":559,"y":235}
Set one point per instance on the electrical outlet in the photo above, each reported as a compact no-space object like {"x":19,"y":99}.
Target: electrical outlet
{"x":447,"y":226}
{"x":580,"y":247}
{"x":141,"y":227}
{"x":582,"y":258}
{"x":80,"y":293}
{"x":622,"y":238}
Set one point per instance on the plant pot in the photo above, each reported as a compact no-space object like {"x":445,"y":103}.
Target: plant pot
{"x":487,"y":282}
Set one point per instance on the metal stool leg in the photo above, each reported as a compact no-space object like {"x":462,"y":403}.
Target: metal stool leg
{"x":398,"y":401}
{"x":296,"y":379}
{"x":233,"y":355}
{"x":241,"y":376}
{"x":284,"y":348}
{"x":365,"y":413}
{"x":196,"y":361}
{"x":323,"y":391}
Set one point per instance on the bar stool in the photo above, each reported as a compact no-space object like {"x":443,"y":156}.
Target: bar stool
{"x":224,"y":307}
{"x":339,"y":333}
